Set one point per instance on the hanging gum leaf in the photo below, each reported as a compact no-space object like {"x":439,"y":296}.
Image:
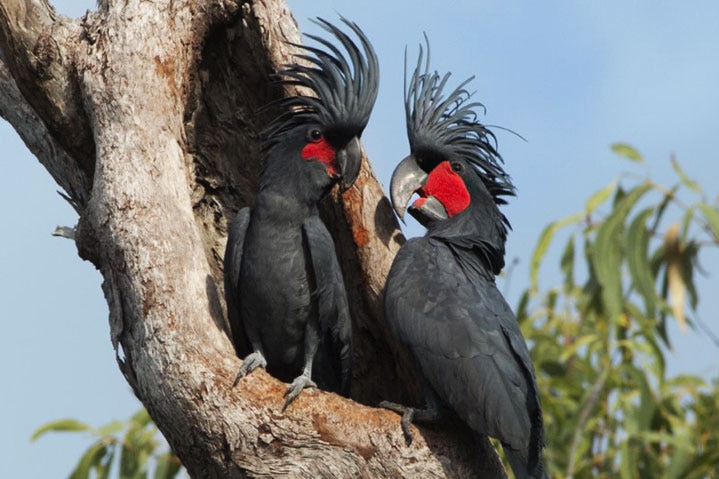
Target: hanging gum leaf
{"x":712,"y":216}
{"x":607,"y":251}
{"x":168,"y":465}
{"x":545,"y":239}
{"x":62,"y":425}
{"x":636,"y":244}
{"x":91,"y":459}
{"x":690,"y":252}
{"x":627,"y":151}
{"x":689,"y":183}
{"x":599,"y":197}
{"x":567,"y":264}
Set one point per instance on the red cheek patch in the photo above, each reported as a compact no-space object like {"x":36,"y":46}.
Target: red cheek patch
{"x":324,"y":153}
{"x":448,"y":187}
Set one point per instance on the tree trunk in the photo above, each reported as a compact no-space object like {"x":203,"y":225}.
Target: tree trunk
{"x":144,"y":113}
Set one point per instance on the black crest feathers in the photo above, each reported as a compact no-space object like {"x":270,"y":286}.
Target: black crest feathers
{"x":439,"y":127}
{"x":342,"y":85}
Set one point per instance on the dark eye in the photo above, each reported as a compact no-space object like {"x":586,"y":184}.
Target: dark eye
{"x":457,"y":167}
{"x":314,"y":135}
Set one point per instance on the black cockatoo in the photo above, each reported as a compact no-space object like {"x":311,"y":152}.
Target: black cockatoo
{"x":286,"y":299}
{"x":441,"y":299}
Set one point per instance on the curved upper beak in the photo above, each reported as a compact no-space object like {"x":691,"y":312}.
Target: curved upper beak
{"x":407,"y":178}
{"x":349,"y":160}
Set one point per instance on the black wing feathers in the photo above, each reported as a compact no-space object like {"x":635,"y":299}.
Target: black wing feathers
{"x":536,"y":437}
{"x":329,"y":292}
{"x":232,"y":266}
{"x":465,"y":338}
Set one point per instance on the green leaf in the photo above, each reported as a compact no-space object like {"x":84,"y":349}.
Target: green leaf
{"x":553,"y":368}
{"x":703,"y":466}
{"x":599,"y":197}
{"x":92,"y":459}
{"x":607,"y":259}
{"x":647,"y":403}
{"x":567,"y":264}
{"x":689,"y":382}
{"x":655,"y":363}
{"x":168,"y":465}
{"x":111,"y":428}
{"x":679,"y":461}
{"x":658,"y":363}
{"x":626,"y":151}
{"x":104,"y":473}
{"x":664,"y":437}
{"x":132,"y":462}
{"x":522,"y":307}
{"x":691,"y":184}
{"x":712,"y":216}
{"x":141,"y":418}
{"x":607,"y":254}
{"x":625,"y":468}
{"x":139,"y":444}
{"x":636,"y":244}
{"x":539,"y":251}
{"x":689,"y":258}
{"x":62,"y":425}
{"x":666,"y":200}
{"x":572,"y":349}
{"x":686,"y":223}
{"x":543,"y":243}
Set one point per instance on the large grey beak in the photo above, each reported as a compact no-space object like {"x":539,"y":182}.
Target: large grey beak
{"x":349,"y":160}
{"x":407,"y":178}
{"x":429,"y":211}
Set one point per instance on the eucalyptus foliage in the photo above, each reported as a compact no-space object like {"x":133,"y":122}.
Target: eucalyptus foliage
{"x":599,"y":340}
{"x":131,"y":449}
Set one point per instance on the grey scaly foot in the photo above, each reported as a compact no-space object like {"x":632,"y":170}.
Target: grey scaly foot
{"x":294,"y":389}
{"x":251,"y":362}
{"x":407,"y":418}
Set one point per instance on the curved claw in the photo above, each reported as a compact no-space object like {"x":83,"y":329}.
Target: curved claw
{"x":251,"y":362}
{"x":294,"y":389}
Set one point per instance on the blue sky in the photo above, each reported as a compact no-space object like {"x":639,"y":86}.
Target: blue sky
{"x":569,"y":77}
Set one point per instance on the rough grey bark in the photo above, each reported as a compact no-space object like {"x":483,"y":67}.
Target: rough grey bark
{"x":144,"y":113}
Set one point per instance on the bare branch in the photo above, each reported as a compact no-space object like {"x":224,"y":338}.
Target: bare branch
{"x":39,"y":47}
{"x":32,"y":129}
